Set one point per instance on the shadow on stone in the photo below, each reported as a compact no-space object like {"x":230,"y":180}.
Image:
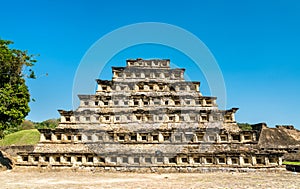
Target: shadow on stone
{"x":294,"y":168}
{"x":5,"y":162}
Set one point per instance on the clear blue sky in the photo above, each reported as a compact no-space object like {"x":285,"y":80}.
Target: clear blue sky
{"x":256,"y":43}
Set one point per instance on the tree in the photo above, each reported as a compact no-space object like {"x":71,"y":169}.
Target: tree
{"x":245,"y":126}
{"x":47,"y":124}
{"x":27,"y":124}
{"x":14,"y":94}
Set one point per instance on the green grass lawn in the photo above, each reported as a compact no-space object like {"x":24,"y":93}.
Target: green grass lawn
{"x":290,"y":163}
{"x":24,"y":137}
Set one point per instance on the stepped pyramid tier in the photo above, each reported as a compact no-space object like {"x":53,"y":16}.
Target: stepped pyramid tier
{"x":149,"y":116}
{"x":148,"y":94}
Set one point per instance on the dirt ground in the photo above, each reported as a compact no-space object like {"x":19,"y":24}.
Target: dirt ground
{"x":88,"y":179}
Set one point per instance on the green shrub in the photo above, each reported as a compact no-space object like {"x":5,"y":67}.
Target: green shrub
{"x":245,"y":126}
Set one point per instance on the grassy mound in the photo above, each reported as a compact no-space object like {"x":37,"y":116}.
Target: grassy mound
{"x":291,"y":163}
{"x":24,"y":137}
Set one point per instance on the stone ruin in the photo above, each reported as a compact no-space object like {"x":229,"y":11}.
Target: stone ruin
{"x":149,"y":117}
